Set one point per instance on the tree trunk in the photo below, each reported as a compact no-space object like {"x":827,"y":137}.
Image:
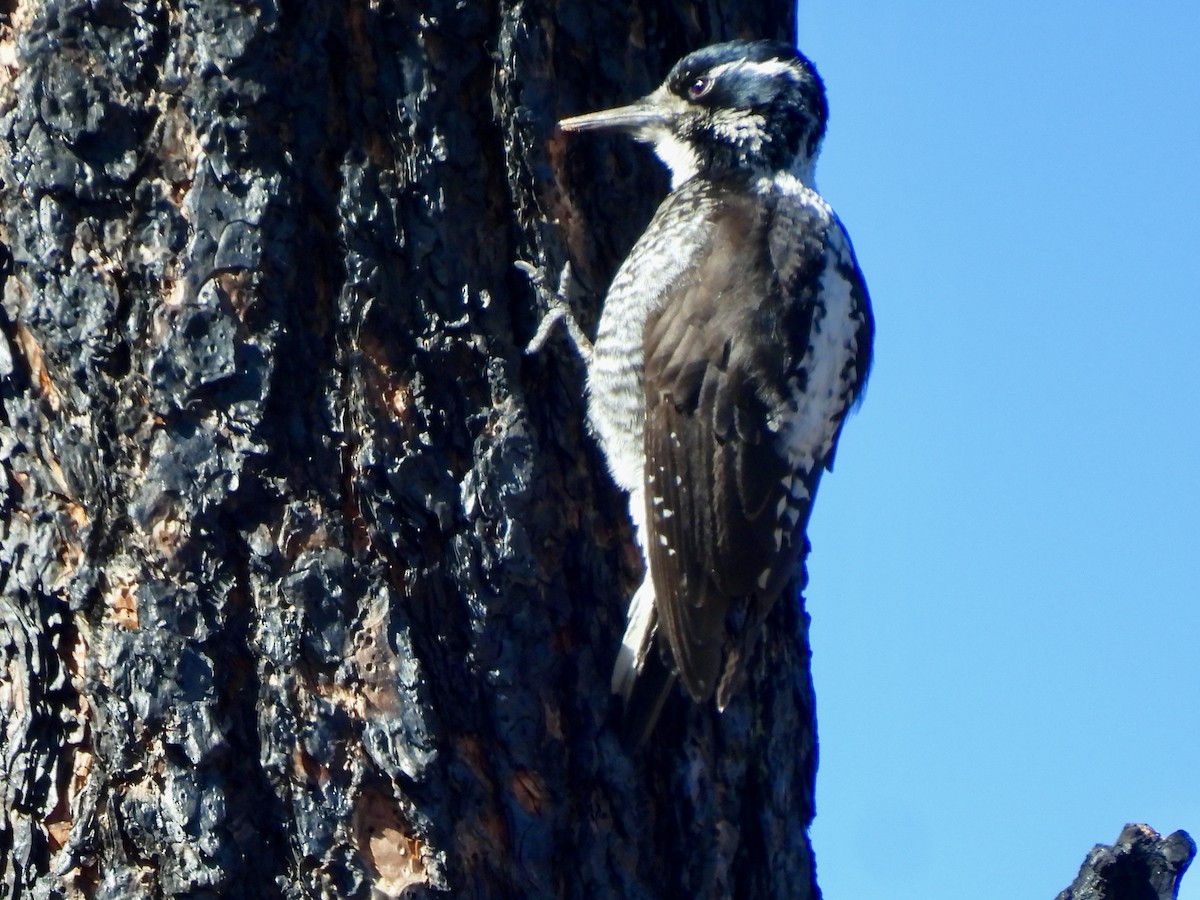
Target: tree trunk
{"x":312,"y":582}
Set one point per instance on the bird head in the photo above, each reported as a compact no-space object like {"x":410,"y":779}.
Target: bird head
{"x":748,"y":107}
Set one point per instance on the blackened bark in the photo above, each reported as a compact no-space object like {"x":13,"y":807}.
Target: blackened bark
{"x":311,"y":582}
{"x":1141,"y":865}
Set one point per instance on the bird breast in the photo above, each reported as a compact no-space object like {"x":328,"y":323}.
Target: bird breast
{"x":617,"y":403}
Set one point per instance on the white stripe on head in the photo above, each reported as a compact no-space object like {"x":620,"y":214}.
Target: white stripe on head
{"x":767,"y":68}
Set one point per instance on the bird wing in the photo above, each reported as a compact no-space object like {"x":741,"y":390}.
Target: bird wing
{"x":843,"y":268}
{"x":726,"y":498}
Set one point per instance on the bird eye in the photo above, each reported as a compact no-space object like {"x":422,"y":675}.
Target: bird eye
{"x":699,"y":87}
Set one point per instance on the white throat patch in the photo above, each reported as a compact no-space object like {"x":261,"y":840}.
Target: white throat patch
{"x":676,"y":155}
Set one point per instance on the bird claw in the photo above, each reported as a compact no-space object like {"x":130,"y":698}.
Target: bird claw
{"x":555,"y":314}
{"x":558,"y":311}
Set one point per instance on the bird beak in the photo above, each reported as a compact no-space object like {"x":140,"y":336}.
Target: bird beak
{"x":636,"y":118}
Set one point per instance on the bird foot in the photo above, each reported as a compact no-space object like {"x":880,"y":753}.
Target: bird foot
{"x":558,"y":311}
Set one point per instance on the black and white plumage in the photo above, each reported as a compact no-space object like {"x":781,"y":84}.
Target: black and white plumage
{"x":734,"y":340}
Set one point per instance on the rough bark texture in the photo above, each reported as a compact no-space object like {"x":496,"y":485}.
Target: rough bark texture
{"x":311,"y":583}
{"x":1141,"y":865}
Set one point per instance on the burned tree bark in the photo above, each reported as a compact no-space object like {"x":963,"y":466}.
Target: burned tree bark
{"x":1141,"y":865}
{"x":311,"y":581}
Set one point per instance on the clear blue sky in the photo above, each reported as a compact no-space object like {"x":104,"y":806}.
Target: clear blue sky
{"x":1006,"y":620}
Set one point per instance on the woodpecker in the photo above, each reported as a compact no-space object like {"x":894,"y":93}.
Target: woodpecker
{"x":734,"y":340}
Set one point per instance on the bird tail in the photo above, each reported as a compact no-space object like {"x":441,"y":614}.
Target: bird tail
{"x":641,"y":678}
{"x":644,"y":701}
{"x":636,"y":642}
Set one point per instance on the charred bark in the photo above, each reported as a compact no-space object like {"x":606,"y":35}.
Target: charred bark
{"x":1141,"y":865}
{"x":311,"y":581}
